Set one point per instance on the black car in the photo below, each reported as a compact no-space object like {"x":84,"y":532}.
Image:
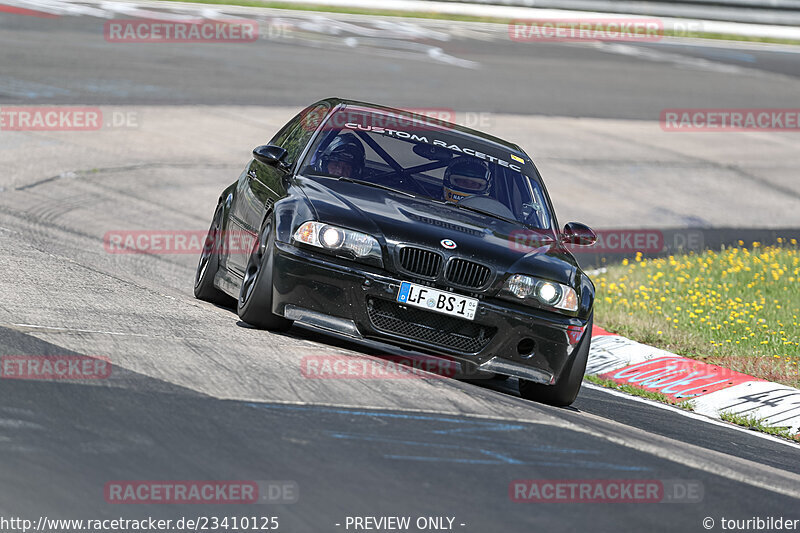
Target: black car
{"x":379,"y":223}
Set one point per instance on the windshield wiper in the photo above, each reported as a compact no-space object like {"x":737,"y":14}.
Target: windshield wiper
{"x":376,"y":185}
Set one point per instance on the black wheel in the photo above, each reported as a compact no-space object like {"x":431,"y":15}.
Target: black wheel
{"x":208,"y":265}
{"x":566,"y":389}
{"x":255,"y":296}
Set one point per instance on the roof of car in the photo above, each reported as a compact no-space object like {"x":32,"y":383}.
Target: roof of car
{"x":335,"y":102}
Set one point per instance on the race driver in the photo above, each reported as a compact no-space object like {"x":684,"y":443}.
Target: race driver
{"x":465,"y":176}
{"x":344,"y":157}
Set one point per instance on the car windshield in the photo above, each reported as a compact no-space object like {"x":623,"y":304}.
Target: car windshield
{"x":427,"y":160}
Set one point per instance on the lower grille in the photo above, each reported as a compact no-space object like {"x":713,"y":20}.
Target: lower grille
{"x":434,"y":328}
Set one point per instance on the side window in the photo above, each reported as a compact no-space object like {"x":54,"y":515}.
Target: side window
{"x":536,"y":210}
{"x":296,"y":134}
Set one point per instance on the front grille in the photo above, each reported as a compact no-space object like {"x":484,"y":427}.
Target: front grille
{"x":421,"y":262}
{"x":432,"y":328}
{"x":466,"y":273}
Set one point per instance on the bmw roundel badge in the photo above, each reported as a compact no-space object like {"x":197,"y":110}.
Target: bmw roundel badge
{"x":448,"y":243}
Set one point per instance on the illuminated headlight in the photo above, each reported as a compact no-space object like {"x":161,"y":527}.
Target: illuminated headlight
{"x":547,"y":293}
{"x":331,"y":237}
{"x":339,"y":240}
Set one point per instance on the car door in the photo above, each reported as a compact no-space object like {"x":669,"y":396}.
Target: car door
{"x":261,"y":185}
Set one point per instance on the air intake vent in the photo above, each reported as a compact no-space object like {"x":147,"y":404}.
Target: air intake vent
{"x":429,"y":328}
{"x":420,"y":262}
{"x":466,"y":273}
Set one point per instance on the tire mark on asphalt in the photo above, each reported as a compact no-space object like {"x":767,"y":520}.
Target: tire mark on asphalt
{"x":126,"y":168}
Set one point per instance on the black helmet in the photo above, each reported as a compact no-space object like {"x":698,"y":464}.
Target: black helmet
{"x":344,"y":149}
{"x":465,"y":176}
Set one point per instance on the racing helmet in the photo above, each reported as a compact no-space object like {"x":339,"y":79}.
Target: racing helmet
{"x":465,"y":176}
{"x":343,"y":157}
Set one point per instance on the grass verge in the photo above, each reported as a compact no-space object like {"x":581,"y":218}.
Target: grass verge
{"x":737,"y":308}
{"x":757,"y":424}
{"x":635,"y":391}
{"x":449,"y":16}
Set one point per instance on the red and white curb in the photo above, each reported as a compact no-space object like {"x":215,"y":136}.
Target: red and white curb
{"x":712,"y":389}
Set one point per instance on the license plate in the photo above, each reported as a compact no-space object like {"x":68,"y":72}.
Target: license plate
{"x":435,"y":300}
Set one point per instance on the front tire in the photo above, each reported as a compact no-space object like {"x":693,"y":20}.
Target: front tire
{"x":255,"y":295}
{"x":208,"y":265}
{"x":566,"y":389}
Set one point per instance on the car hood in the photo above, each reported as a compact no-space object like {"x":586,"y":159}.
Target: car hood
{"x":398,"y":218}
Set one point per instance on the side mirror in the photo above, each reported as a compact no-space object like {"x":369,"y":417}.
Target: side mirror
{"x":269,"y":154}
{"x":580,"y":234}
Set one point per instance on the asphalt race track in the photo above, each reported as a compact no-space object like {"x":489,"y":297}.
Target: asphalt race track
{"x":194,"y":394}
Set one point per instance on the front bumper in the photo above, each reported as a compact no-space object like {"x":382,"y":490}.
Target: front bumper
{"x":359,"y":300}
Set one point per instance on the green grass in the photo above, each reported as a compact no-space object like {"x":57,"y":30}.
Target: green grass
{"x":642,"y":393}
{"x":757,"y":424}
{"x":448,"y":16}
{"x":737,"y":308}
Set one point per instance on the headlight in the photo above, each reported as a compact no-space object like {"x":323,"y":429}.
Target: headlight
{"x":341,"y":241}
{"x":331,"y":238}
{"x":547,"y":293}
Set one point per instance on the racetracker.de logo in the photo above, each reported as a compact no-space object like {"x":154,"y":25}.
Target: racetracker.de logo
{"x":201,"y":492}
{"x":168,"y":242}
{"x":430,"y":119}
{"x":385,"y":367}
{"x":49,"y":367}
{"x":39,"y":118}
{"x":605,"y":491}
{"x":729,"y":119}
{"x":207,"y":31}
{"x":608,"y":241}
{"x":599,"y":29}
